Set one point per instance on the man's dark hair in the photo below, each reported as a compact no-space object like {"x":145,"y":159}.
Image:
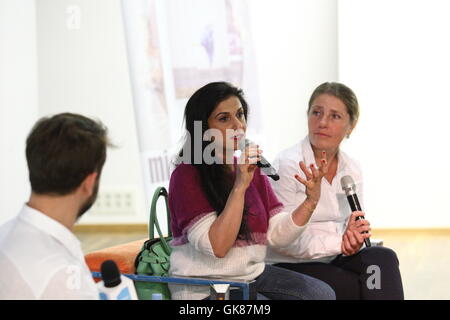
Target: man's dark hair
{"x":63,"y":150}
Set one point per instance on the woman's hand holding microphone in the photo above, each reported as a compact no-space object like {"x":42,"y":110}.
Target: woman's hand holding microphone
{"x":247,"y":165}
{"x":354,"y":235}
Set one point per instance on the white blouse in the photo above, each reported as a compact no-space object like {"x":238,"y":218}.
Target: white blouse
{"x":321,"y":239}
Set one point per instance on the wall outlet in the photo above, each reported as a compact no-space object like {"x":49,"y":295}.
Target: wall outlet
{"x":115,"y":202}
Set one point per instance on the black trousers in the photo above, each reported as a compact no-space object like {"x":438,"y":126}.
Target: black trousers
{"x":371,"y":274}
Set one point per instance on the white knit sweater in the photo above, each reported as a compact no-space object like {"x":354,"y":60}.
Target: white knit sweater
{"x":196,"y":258}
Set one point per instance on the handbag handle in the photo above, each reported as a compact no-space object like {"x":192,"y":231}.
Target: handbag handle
{"x":160,"y":191}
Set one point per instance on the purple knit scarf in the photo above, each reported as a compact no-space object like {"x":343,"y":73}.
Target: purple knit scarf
{"x":188,"y":204}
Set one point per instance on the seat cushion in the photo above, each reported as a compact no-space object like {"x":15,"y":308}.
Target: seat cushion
{"x":124,"y":255}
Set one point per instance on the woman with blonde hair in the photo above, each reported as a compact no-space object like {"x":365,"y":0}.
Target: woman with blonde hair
{"x":330,"y":247}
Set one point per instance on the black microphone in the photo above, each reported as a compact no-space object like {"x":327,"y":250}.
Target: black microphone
{"x":114,"y":286}
{"x":349,"y":187}
{"x":110,"y":274}
{"x":265,"y":166}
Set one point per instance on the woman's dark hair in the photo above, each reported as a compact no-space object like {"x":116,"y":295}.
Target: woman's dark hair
{"x":62,"y":150}
{"x":216,"y":179}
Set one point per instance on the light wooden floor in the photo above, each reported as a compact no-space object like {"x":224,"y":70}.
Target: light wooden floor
{"x":424,"y":256}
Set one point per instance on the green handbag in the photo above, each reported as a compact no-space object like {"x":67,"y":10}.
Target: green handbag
{"x":154,"y":257}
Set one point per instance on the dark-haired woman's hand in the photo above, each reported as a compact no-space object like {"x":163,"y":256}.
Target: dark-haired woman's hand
{"x":224,"y":231}
{"x":247,"y":165}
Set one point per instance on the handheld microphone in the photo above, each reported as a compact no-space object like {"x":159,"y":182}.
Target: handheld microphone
{"x":349,"y":187}
{"x":114,"y":286}
{"x":265,"y":166}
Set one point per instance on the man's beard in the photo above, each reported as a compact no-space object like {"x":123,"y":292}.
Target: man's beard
{"x":90,"y":201}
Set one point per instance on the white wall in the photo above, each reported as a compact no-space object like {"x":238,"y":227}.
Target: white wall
{"x":395,"y":55}
{"x":18,"y":100}
{"x":295,"y":45}
{"x":84,"y":70}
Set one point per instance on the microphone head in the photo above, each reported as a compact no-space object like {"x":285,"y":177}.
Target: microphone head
{"x":243,"y":143}
{"x":265,"y":166}
{"x":348,"y":185}
{"x":110,"y":274}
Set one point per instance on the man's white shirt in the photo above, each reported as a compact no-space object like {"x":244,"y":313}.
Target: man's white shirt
{"x":42,"y":259}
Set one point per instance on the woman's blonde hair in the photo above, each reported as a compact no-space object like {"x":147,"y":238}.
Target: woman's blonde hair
{"x":343,"y":93}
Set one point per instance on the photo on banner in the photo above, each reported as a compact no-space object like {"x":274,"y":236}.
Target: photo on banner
{"x":174,"y":48}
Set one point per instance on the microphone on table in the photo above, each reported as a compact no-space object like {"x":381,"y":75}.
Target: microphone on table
{"x":114,"y":286}
{"x":349,"y":187}
{"x":265,"y":166}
